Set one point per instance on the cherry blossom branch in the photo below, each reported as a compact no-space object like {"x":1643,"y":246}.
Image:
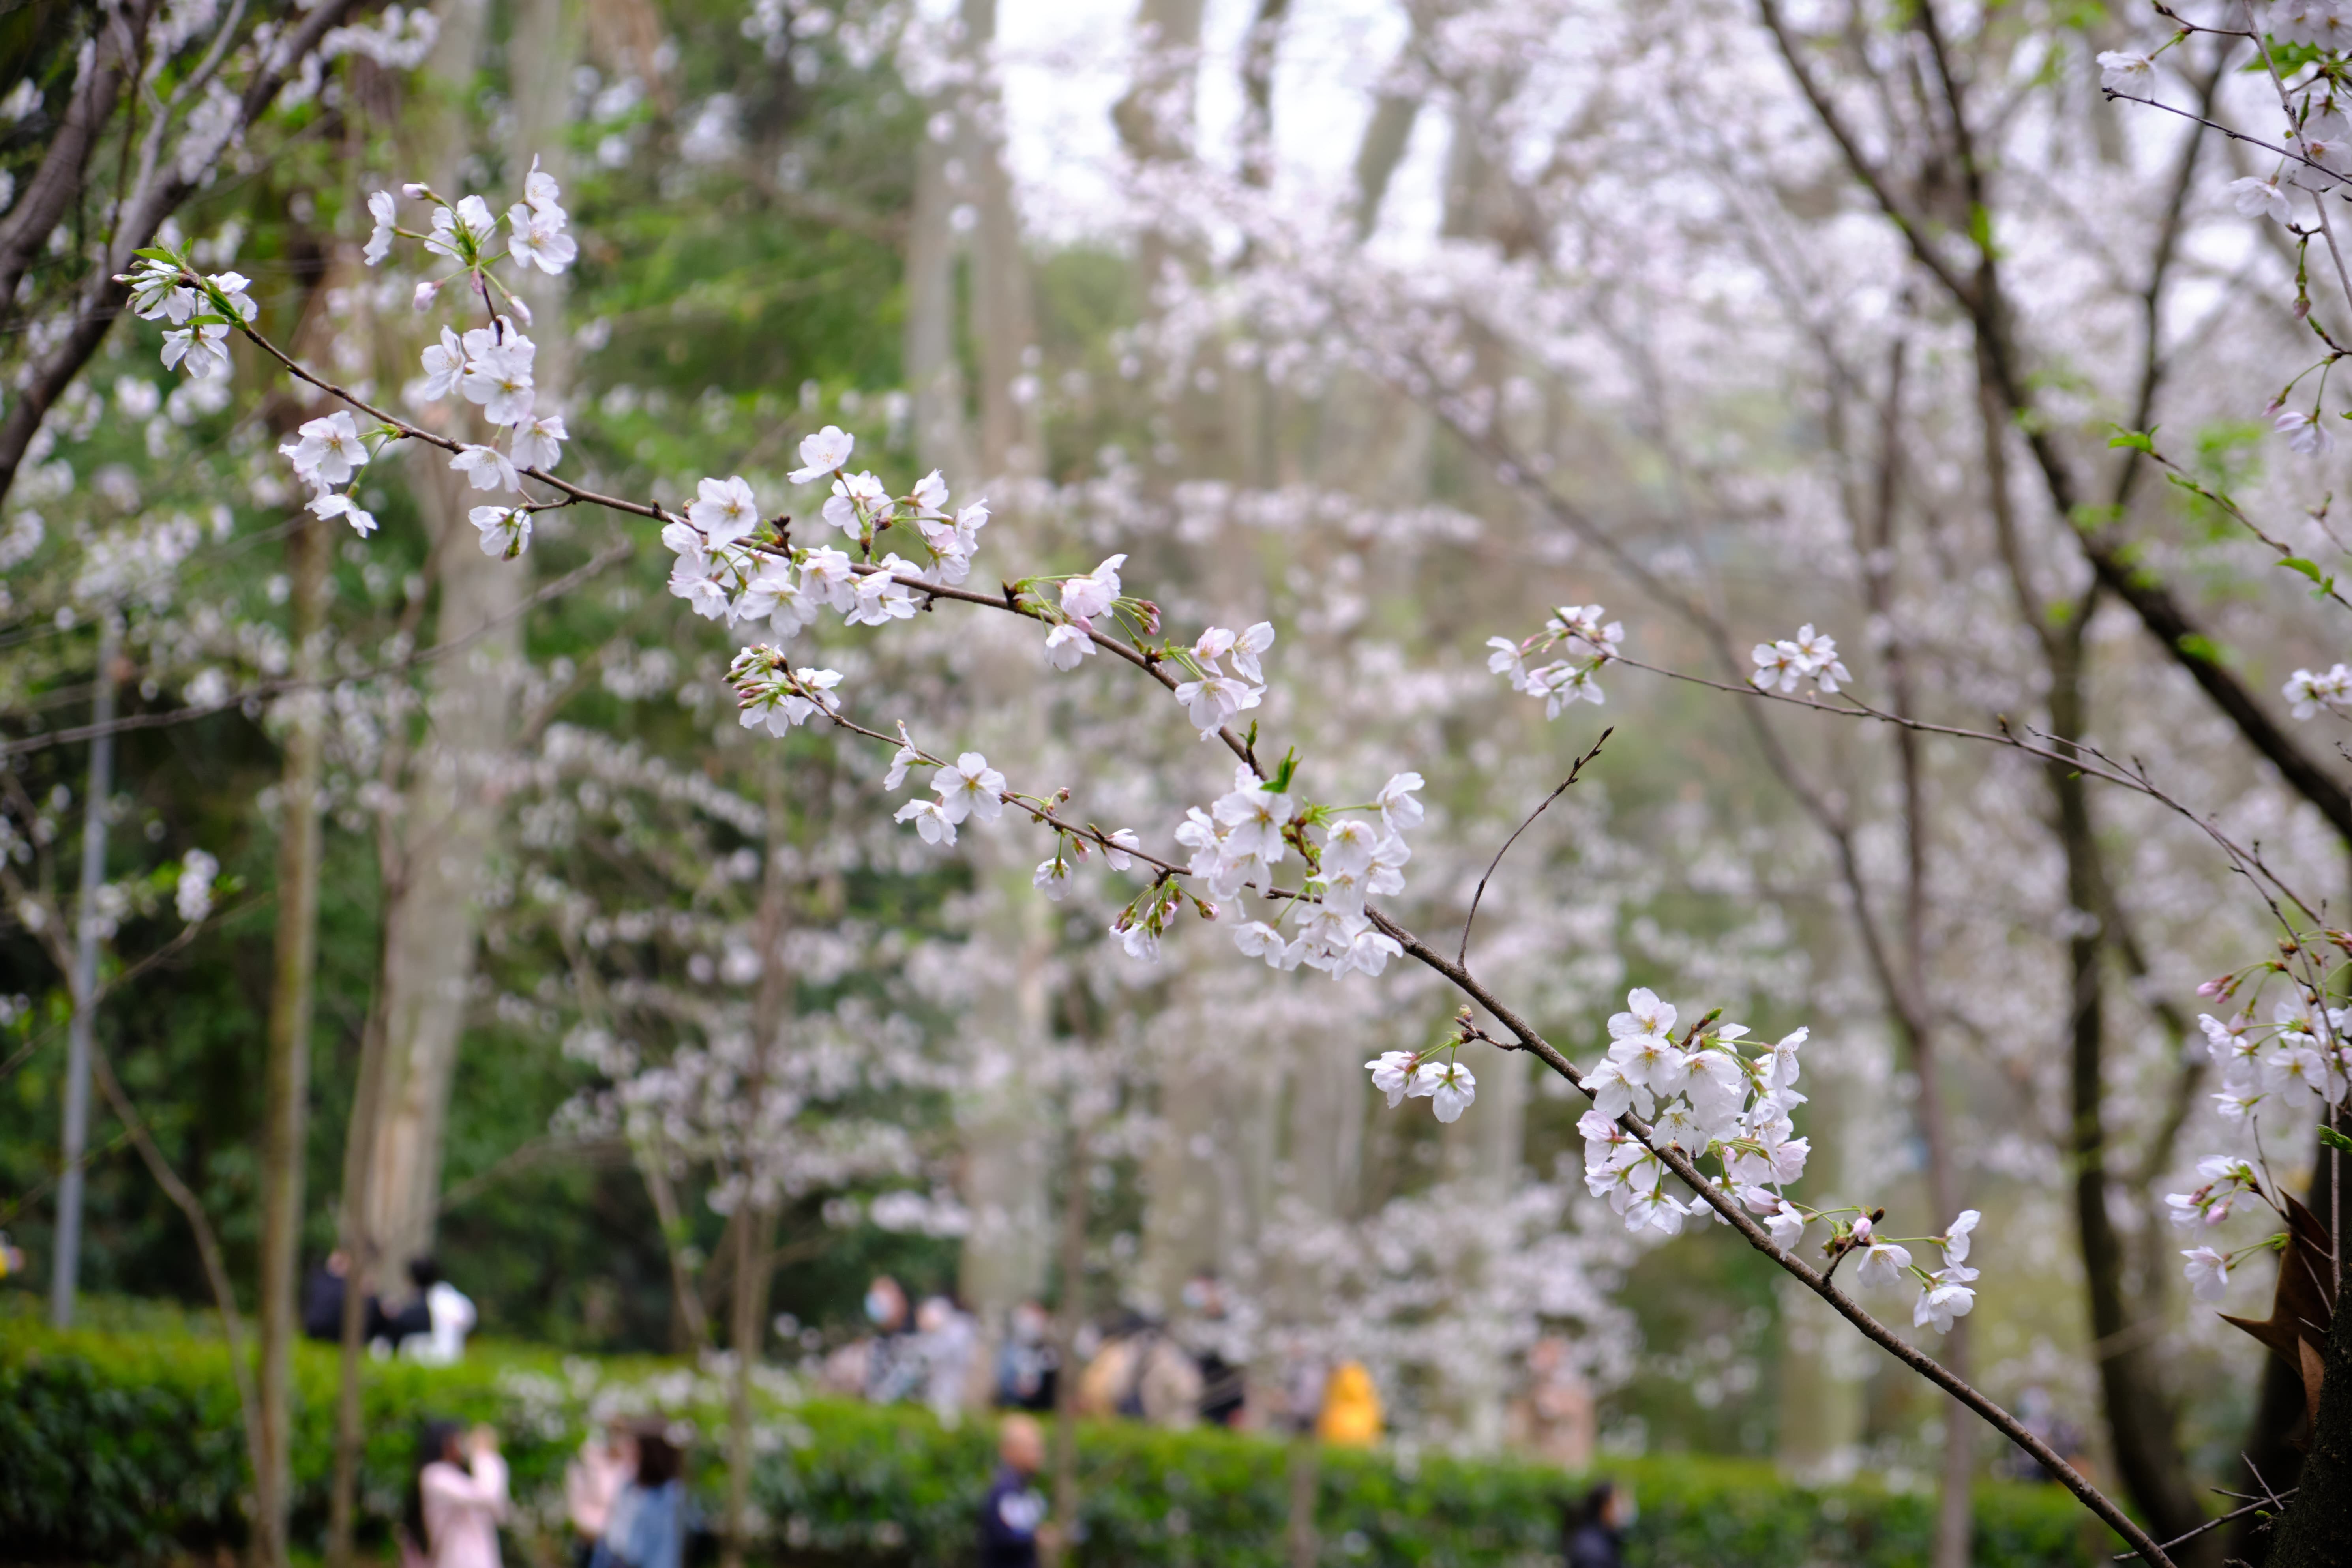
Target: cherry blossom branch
{"x":1730,"y":1212}
{"x":406,"y":431}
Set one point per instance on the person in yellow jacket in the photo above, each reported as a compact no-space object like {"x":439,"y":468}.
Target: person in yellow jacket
{"x":1351,"y":1408}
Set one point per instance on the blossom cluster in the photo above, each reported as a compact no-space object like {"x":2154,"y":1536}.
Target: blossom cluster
{"x":1577,"y":631}
{"x":192,"y":891}
{"x":729,"y":568}
{"x":1447,"y":1085}
{"x":2309,"y":692}
{"x":2297,"y":1062}
{"x":202,"y":309}
{"x":1349,"y":854}
{"x":1809,"y":655}
{"x":491,"y":366}
{"x":1698,"y":1093}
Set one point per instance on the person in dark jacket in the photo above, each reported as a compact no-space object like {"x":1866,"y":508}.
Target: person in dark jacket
{"x":323,"y":1297}
{"x":1595,"y":1536}
{"x":1014,"y":1511}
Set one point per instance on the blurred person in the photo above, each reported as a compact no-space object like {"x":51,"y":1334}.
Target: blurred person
{"x":1555,"y":1417}
{"x":945,"y":1339}
{"x":323,"y":1298}
{"x":449,"y":1317}
{"x":1143,"y":1375}
{"x":1224,"y":1387}
{"x":606,"y":1462}
{"x":648,"y":1522}
{"x":1013,"y":1515}
{"x":1595,"y":1533}
{"x":1027,"y":1363}
{"x":1350,"y":1416}
{"x":389,"y":1326}
{"x":458,"y":1499}
{"x":894,"y":1364}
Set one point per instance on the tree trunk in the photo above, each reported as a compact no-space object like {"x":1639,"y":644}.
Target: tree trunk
{"x":755,"y":1246}
{"x":2141,"y":1423}
{"x":927,"y":342}
{"x":1003,"y":314}
{"x":287,"y":1078}
{"x":1304,"y":1548}
{"x":343,"y":1504}
{"x":2316,"y":1530}
{"x":82,"y":1036}
{"x":2271,"y":1458}
{"x":755,"y":1231}
{"x":1069,"y":1316}
{"x":451,"y":813}
{"x":377,"y":1251}
{"x":690,"y":1325}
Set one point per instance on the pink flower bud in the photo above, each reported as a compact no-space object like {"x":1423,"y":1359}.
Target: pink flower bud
{"x":414,"y":191}
{"x":425,"y":293}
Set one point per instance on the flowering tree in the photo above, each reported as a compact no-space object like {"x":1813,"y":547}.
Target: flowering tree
{"x":1295,"y":875}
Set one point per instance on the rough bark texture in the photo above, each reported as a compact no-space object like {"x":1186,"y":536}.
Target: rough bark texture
{"x":287,"y":1078}
{"x":2316,"y":1532}
{"x":2272,"y":1454}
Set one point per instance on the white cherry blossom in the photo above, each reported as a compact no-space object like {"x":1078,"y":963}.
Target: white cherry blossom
{"x":969,"y":787}
{"x":538,"y":442}
{"x":385,"y":213}
{"x":486,"y":467}
{"x":724,"y":510}
{"x":1065,"y":645}
{"x":1084,"y":598}
{"x":330,"y":504}
{"x":2209,"y":1273}
{"x":822,"y":453}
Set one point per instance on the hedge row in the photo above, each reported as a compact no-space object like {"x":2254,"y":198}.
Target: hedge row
{"x":125,"y":1446}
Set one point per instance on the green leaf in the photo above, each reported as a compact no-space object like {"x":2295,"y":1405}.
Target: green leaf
{"x":1280,"y":784}
{"x":2335,"y":1140}
{"x":2200,"y":647}
{"x":2297,"y":563}
{"x":2138,"y":440}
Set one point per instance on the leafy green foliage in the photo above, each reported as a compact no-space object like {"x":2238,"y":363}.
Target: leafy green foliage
{"x":123,"y":1445}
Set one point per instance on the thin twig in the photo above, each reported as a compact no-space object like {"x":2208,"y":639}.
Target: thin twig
{"x":1461,"y":954}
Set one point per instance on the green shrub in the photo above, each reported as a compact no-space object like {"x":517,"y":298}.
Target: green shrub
{"x":118,"y":1447}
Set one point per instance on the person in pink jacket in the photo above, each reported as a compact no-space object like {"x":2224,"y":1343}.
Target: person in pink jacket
{"x":461,"y":1497}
